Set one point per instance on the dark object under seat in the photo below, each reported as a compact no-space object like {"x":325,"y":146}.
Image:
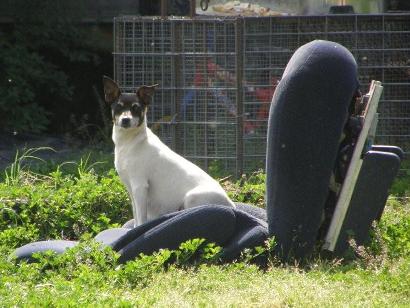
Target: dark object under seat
{"x":214,"y":223}
{"x":233,"y":229}
{"x":58,"y":246}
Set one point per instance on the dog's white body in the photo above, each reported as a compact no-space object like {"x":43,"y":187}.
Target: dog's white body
{"x":158,"y":180}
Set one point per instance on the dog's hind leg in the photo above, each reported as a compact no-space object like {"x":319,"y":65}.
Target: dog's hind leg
{"x":206,"y":196}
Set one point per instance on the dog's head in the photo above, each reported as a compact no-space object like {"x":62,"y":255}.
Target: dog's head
{"x":128,"y":109}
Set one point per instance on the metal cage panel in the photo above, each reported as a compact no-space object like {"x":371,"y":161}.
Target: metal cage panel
{"x":217,"y":76}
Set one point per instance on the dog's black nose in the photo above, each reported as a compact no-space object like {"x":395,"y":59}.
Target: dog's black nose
{"x":125,"y":122}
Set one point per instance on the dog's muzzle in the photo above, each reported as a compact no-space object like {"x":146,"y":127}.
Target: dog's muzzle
{"x":125,"y":122}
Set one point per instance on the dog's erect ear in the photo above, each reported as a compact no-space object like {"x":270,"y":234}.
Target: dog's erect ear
{"x":145,"y":93}
{"x":111,"y":90}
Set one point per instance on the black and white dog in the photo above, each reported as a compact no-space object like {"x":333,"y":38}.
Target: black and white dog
{"x":158,"y":180}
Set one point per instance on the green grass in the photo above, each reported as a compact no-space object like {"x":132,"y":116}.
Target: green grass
{"x":210,"y":285}
{"x":78,"y":200}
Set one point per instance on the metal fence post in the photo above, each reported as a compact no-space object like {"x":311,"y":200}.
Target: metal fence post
{"x":239,"y":94}
{"x":178,"y":82}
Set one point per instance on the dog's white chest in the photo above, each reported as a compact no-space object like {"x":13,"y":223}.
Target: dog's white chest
{"x":129,"y":164}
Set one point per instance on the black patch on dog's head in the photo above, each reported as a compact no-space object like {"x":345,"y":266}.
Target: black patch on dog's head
{"x":128,"y":103}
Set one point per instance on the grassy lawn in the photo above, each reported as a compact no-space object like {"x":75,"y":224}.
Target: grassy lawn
{"x":78,"y":200}
{"x":231,"y":285}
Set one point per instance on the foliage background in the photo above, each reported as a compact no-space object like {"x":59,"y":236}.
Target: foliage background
{"x":50,"y":61}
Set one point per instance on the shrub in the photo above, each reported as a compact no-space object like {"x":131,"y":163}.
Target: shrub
{"x":40,"y":55}
{"x":395,"y":226}
{"x":25,"y":75}
{"x":56,"y":206}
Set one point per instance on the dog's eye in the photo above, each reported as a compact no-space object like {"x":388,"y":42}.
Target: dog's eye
{"x":117,"y":108}
{"x":136,"y":107}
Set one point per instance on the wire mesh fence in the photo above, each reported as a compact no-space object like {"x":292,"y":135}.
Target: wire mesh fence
{"x":217,"y":76}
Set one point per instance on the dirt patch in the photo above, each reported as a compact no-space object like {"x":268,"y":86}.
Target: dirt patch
{"x":63,"y":148}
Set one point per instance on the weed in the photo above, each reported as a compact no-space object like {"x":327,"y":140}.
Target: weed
{"x":262,"y":255}
{"x":84,"y":166}
{"x":248,"y":189}
{"x":15,"y":172}
{"x":375,"y":256}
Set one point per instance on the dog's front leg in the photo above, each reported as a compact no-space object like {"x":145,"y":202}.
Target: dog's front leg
{"x":140,"y":204}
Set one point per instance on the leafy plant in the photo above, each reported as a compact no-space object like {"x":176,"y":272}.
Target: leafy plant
{"x":34,"y":207}
{"x":248,"y":189}
{"x":27,"y":78}
{"x":395,"y":226}
{"x":88,"y":252}
{"x":262,"y":254}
